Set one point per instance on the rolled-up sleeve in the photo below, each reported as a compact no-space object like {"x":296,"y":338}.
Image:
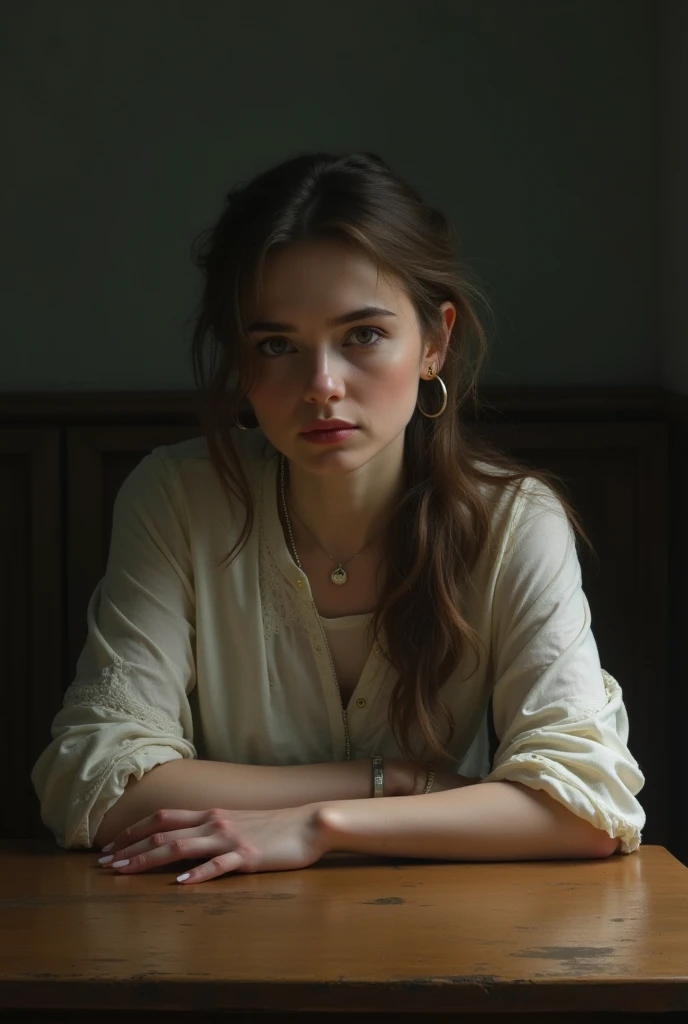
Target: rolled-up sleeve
{"x":559,"y":716}
{"x":127,"y":709}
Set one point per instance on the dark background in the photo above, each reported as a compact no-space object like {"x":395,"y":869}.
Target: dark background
{"x":554,"y":133}
{"x":548,"y":130}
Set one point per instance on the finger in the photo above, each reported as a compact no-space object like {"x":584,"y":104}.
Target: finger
{"x":161,"y":821}
{"x":179,"y":849}
{"x":158,"y":840}
{"x":222,"y":865}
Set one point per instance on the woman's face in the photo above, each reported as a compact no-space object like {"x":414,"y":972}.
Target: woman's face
{"x":309,"y":367}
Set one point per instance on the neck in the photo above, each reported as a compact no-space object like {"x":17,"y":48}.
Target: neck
{"x":342,"y":514}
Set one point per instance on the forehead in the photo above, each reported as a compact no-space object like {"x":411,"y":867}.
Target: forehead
{"x":325,"y":278}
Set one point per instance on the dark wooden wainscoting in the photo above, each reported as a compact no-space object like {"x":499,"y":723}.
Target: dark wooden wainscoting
{"x":65,"y":456}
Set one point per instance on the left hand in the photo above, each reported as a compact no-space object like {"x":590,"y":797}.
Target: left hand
{"x":240,"y":841}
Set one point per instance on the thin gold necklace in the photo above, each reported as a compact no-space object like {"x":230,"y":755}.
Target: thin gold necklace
{"x":338,"y":575}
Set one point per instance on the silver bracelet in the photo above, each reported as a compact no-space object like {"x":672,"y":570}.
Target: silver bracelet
{"x":430,"y":779}
{"x":378,"y":775}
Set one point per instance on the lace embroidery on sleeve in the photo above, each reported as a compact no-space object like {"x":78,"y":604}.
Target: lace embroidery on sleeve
{"x":82,"y":834}
{"x":114,"y":690}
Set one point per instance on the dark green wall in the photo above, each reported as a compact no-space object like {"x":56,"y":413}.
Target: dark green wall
{"x":673,"y":167}
{"x":531,"y":122}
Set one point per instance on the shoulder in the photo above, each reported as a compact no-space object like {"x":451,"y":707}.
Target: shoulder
{"x":184,"y":475}
{"x":181,"y":470}
{"x":190,"y":462}
{"x":252,"y":449}
{"x":523,"y":507}
{"x":516,"y":495}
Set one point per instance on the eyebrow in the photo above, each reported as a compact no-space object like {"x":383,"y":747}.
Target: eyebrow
{"x":345,"y":318}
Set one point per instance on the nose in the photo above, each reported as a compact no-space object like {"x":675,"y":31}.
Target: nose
{"x":324,"y":380}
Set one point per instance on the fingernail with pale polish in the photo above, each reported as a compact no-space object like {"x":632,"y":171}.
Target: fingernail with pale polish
{"x":105,"y":860}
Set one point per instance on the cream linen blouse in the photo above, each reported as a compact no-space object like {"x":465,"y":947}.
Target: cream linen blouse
{"x":185,"y":658}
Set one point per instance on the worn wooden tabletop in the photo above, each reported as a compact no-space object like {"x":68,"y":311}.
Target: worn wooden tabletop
{"x":351,"y":933}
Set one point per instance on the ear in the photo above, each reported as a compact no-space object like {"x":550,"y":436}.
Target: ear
{"x":435,"y":351}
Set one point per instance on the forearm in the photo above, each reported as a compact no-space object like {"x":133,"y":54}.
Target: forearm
{"x":487,"y":822}
{"x":197,"y":785}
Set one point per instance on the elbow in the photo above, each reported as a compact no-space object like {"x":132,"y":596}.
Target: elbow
{"x":606,"y":846}
{"x":599,"y":845}
{"x":575,"y":836}
{"x":113,"y":821}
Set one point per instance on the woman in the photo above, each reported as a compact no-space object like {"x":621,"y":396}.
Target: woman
{"x":313,"y":604}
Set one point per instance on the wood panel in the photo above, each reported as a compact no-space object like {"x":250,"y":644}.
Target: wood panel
{"x":69,"y":453}
{"x":30,"y":615}
{"x":676,"y":411}
{"x":570,"y":402}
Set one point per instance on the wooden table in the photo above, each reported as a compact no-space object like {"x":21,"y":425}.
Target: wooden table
{"x":351,"y":933}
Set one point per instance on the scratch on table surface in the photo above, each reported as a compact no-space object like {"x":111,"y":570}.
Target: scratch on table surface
{"x":384,"y":901}
{"x":566,"y":952}
{"x":485,"y":982}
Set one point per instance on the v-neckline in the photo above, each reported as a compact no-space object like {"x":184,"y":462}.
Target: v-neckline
{"x":299,"y":583}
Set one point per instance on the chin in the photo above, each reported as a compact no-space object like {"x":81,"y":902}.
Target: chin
{"x":324,"y":463}
{"x":335,"y":462}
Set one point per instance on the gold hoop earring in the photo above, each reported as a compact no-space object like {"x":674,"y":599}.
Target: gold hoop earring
{"x":434,"y":415}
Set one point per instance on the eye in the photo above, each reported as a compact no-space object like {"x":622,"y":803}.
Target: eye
{"x":380,"y":335}
{"x":269,"y":341}
{"x":271,"y":354}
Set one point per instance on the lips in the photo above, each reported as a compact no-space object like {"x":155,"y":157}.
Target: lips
{"x":327,"y":426}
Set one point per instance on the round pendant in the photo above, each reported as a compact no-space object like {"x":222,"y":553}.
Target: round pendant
{"x":339,"y":576}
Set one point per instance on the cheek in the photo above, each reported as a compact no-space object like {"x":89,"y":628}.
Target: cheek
{"x":268,"y":390}
{"x":396,"y":382}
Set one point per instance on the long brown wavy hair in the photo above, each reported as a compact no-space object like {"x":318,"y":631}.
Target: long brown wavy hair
{"x":443,"y":520}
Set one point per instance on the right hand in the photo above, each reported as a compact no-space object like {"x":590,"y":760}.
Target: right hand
{"x":410,"y":778}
